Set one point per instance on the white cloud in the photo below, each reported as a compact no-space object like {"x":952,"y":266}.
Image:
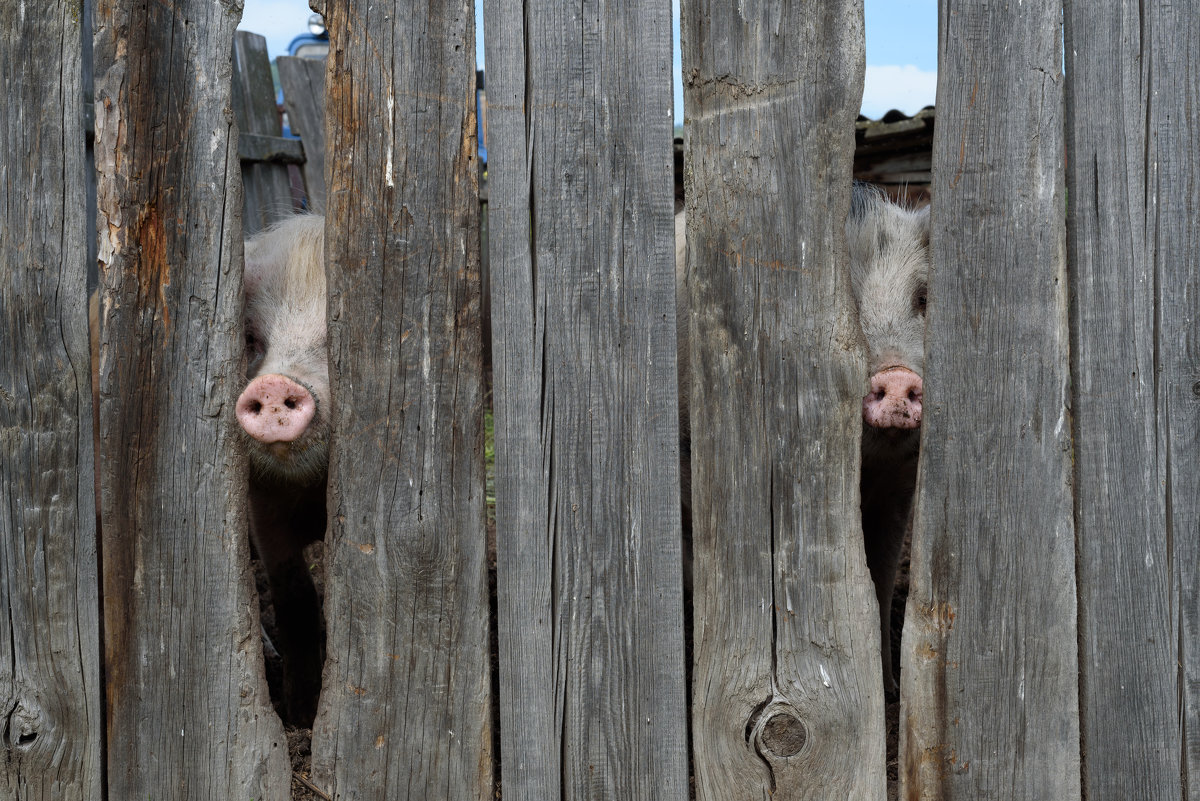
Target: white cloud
{"x":892,"y":87}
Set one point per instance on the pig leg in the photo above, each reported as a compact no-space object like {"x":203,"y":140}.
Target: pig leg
{"x":281,"y":524}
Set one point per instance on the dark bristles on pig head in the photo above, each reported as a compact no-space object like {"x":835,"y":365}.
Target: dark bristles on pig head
{"x":889,"y":273}
{"x":283,"y":416}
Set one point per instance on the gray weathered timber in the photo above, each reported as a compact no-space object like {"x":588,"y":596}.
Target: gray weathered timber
{"x":89,"y":119}
{"x":525,"y":620}
{"x":267,"y":193}
{"x":787,"y":696}
{"x":1133,"y":185}
{"x":1173,"y":159}
{"x":592,"y":696}
{"x":405,"y":712}
{"x":988,"y":684}
{"x":303,"y":82}
{"x":188,"y":713}
{"x":50,"y":693}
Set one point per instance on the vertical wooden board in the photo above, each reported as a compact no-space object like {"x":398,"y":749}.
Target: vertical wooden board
{"x":588,"y":564}
{"x":405,"y":709}
{"x":50,"y":691}
{"x":988,"y":684}
{"x":267,"y":193}
{"x":89,"y":124}
{"x":787,"y":695}
{"x":1128,"y":199}
{"x":188,"y":713}
{"x":530,"y":711}
{"x":1173,"y":164}
{"x":303,"y":82}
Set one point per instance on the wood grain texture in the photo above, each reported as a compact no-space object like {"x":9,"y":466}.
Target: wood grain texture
{"x":50,"y":694}
{"x":530,"y":709}
{"x":988,"y":683}
{"x":1134,"y":186}
{"x":405,"y":710}
{"x":1173,"y":159}
{"x":267,"y":192}
{"x":188,"y":713}
{"x":587,"y":443}
{"x":303,"y":82}
{"x":787,"y":696}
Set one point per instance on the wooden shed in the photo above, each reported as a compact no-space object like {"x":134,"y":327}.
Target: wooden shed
{"x":896,"y":153}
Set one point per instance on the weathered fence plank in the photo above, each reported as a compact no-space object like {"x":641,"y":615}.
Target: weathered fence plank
{"x":989,"y":691}
{"x":525,"y":620}
{"x":188,"y":713}
{"x":267,"y":192}
{"x":1132,"y":101}
{"x":788,"y":698}
{"x":1174,"y":158}
{"x":89,"y":117}
{"x":405,"y":710}
{"x":303,"y":82}
{"x":587,"y":467}
{"x":50,"y":692}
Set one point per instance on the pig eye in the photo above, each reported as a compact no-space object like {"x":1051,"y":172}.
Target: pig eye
{"x":920,"y":298}
{"x":254,"y":346}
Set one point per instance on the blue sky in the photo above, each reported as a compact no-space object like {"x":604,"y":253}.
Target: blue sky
{"x":901,"y":48}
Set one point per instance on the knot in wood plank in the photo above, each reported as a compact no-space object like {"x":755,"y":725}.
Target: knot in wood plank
{"x":25,"y":727}
{"x":776,"y":730}
{"x":784,"y":735}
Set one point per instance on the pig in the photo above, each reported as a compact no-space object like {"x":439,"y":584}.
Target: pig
{"x":889,"y":275}
{"x":283,"y":415}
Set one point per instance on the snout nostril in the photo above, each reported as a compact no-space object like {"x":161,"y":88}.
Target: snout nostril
{"x":290,"y":403}
{"x":912,"y":396}
{"x":255,"y":407}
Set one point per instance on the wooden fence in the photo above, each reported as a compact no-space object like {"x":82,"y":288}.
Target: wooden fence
{"x":1051,"y":640}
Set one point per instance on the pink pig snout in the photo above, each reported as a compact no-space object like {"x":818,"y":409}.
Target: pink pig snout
{"x":274,"y":408}
{"x":894,"y":400}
